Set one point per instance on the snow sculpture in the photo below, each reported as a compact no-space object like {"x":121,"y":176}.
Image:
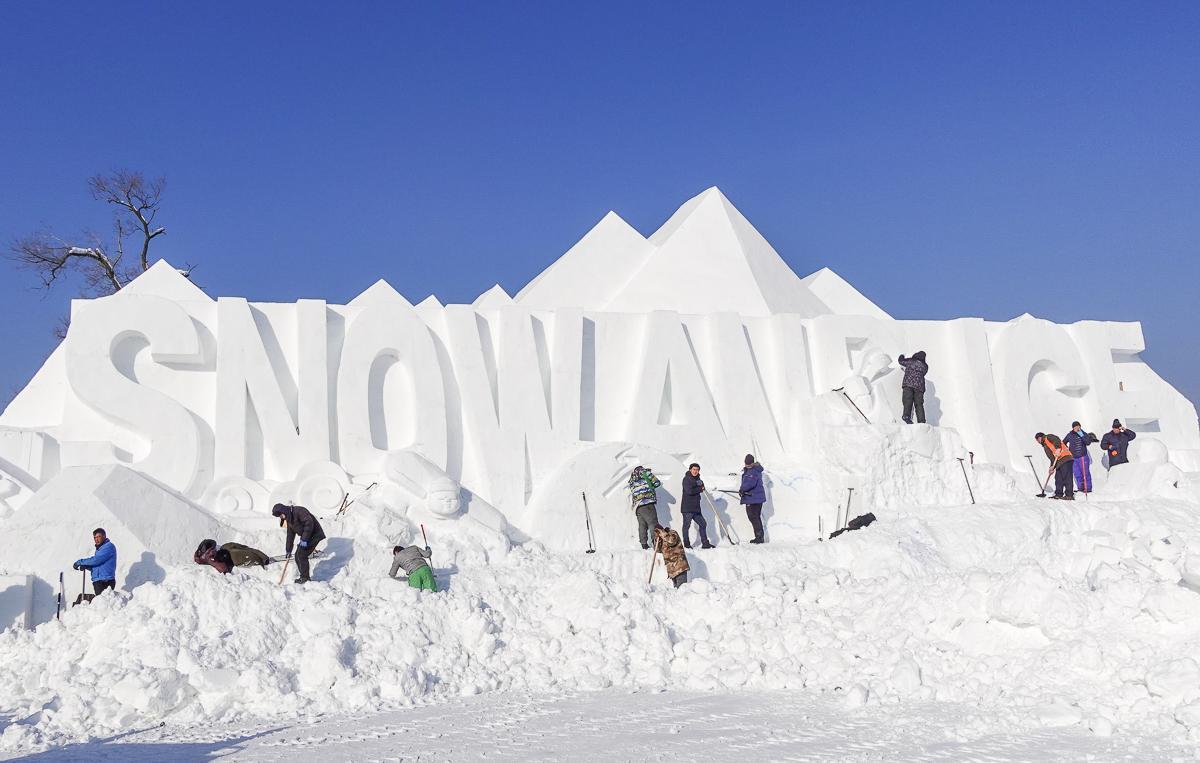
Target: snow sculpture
{"x":697,"y":343}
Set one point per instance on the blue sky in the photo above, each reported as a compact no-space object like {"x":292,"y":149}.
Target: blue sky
{"x":948,"y":159}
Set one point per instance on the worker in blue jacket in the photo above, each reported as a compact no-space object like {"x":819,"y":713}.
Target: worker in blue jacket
{"x":1116,"y":444}
{"x":102,"y":564}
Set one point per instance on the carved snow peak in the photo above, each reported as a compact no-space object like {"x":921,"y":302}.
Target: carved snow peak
{"x":162,"y":279}
{"x":493,"y":297}
{"x":379,"y":293}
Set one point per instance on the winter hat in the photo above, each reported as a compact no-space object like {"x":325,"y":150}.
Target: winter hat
{"x":919,"y":355}
{"x":1116,"y":423}
{"x":1040,"y":436}
{"x":749,"y":459}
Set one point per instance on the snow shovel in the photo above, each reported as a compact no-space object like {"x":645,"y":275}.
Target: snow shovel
{"x":851,"y":402}
{"x":83,"y":598}
{"x":283,"y":574}
{"x":587,"y":518}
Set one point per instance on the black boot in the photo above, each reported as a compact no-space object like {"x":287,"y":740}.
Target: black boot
{"x":302,"y":580}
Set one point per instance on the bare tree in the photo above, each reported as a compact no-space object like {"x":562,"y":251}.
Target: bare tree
{"x":105,"y":266}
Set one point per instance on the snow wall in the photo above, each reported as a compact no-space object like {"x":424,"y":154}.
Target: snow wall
{"x":695,"y":344}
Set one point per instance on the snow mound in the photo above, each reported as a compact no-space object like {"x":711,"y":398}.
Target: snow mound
{"x":1044,"y":613}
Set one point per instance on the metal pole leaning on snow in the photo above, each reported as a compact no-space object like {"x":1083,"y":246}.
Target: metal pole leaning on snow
{"x":851,"y":402}
{"x":653,"y":559}
{"x":720,"y":522}
{"x":587,"y":517}
{"x":849,"y":498}
{"x":1033,"y":471}
{"x":970,"y":492}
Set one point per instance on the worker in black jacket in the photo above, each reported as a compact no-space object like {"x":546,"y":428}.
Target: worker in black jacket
{"x":301,"y":522}
{"x":693,"y":486}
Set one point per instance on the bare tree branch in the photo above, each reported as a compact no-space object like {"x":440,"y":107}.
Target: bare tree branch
{"x":102,"y":266}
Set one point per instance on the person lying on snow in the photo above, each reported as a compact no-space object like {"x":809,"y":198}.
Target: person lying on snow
{"x":300,"y":522}
{"x":667,"y":541}
{"x":412,"y":560}
{"x":102,"y":564}
{"x":217,"y":558}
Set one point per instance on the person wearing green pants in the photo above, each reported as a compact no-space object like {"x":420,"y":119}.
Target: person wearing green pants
{"x":412,"y":560}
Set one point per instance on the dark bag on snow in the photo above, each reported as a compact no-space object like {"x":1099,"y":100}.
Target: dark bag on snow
{"x":855,"y":524}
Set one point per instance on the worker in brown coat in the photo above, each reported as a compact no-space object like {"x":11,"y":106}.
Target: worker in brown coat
{"x":667,"y":541}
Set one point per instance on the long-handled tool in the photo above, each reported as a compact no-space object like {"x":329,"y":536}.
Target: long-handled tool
{"x":970,"y":492}
{"x":58,"y":608}
{"x":424,"y":537}
{"x":347,"y":502}
{"x":851,"y":402}
{"x":725,"y":529}
{"x":84,"y":596}
{"x":283,"y":573}
{"x":587,"y":518}
{"x":1041,"y":484}
{"x":653,"y":559}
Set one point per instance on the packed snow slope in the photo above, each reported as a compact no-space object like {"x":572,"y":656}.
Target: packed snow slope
{"x":1038,"y":612}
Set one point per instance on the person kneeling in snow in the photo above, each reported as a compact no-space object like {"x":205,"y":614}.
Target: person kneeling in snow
{"x":412,"y":560}
{"x":667,"y":541}
{"x":217,"y":558}
{"x":299,"y":521}
{"x":102,"y":564}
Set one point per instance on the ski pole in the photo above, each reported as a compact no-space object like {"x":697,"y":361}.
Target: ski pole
{"x":587,"y":518}
{"x":970,"y":492}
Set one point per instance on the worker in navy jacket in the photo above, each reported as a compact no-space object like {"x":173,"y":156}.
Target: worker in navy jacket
{"x":753,"y":495}
{"x":1116,"y":444}
{"x":102,"y":564}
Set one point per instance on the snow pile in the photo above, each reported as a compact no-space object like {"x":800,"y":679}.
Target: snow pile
{"x":1039,"y":612}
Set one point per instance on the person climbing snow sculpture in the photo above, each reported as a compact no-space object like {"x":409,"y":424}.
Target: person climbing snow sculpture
{"x":217,"y":558}
{"x":103,"y":564}
{"x":1060,"y":460}
{"x":913,"y":385}
{"x":689,"y":505}
{"x":412,"y":559}
{"x":644,"y":500}
{"x":300,"y":522}
{"x":1116,"y":444}
{"x":667,"y":542}
{"x":1078,"y":441}
{"x":753,"y":494}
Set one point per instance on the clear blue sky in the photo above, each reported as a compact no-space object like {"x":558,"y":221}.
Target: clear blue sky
{"x":948,"y":159}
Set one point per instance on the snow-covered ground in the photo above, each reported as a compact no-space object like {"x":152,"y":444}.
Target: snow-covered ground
{"x":998,"y":631}
{"x":615,"y":725}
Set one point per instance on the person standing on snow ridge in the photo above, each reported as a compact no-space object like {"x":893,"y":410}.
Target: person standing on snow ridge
{"x":1060,"y":458}
{"x":644,"y":499}
{"x":1078,"y":441}
{"x":1116,"y":444}
{"x":102,"y":564}
{"x":667,"y":541}
{"x":693,"y":486}
{"x":753,"y":495}
{"x":913,"y":386}
{"x":412,"y":559}
{"x":299,"y":521}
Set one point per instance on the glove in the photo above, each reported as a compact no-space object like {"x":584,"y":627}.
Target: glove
{"x":303,"y":543}
{"x":428,"y":550}
{"x":287,"y":556}
{"x":77,"y":566}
